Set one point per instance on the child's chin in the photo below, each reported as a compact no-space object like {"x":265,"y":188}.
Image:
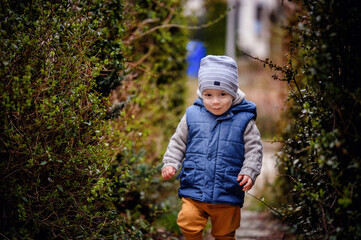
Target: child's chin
{"x":217,"y":113}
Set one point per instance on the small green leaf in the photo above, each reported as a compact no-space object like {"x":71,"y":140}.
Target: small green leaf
{"x":60,"y":188}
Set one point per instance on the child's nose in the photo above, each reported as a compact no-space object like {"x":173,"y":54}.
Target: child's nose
{"x":215,"y":100}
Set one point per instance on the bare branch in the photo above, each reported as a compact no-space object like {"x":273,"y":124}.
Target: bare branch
{"x":271,"y":208}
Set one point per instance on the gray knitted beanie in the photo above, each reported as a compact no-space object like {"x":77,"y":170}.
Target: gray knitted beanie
{"x":218,"y":72}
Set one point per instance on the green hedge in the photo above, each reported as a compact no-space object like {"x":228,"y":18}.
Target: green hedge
{"x":320,"y":157}
{"x":73,"y":165}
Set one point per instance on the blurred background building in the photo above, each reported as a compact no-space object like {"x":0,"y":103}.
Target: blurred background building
{"x":247,"y":28}
{"x":254,"y":20}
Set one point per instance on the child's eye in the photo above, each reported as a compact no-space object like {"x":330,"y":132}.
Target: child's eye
{"x":207,"y":95}
{"x":223,"y":94}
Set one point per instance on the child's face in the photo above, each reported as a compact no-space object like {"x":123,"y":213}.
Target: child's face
{"x":216,"y":101}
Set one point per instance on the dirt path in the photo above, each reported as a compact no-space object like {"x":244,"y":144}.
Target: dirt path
{"x":260,"y":225}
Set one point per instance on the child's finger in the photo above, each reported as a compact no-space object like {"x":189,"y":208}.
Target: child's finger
{"x":244,"y":180}
{"x":239,"y":177}
{"x":248,"y":186}
{"x":166,"y":177}
{"x":165,"y":174}
{"x":168,"y":173}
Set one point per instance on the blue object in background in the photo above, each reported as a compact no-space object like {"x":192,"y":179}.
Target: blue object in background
{"x":195,"y":52}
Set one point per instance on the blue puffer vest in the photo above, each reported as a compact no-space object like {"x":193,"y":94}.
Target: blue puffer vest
{"x":215,"y":154}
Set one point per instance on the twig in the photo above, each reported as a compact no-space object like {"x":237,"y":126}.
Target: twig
{"x":4,"y":236}
{"x":324,"y":220}
{"x":271,"y":208}
{"x":172,"y":11}
{"x":285,"y":71}
{"x":275,"y":141}
{"x":254,"y":58}
{"x":166,"y":25}
{"x":151,"y":48}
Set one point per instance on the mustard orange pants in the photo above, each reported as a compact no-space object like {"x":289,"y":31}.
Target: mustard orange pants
{"x":194,"y":215}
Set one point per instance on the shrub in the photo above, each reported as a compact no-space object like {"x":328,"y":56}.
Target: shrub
{"x":69,"y":168}
{"x":320,"y":157}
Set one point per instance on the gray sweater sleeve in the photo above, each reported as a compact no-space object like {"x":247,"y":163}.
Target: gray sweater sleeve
{"x":177,"y":146}
{"x":253,"y":153}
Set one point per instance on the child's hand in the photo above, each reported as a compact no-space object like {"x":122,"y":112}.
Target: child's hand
{"x":245,"y":180}
{"x":168,"y":172}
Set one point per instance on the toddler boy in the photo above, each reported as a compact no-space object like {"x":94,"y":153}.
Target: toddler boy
{"x":222,"y":148}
